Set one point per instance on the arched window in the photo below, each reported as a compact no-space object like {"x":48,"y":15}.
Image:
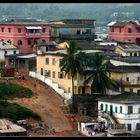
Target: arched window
{"x":19,"y":42}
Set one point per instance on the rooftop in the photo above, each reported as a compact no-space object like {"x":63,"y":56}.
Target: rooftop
{"x":124,"y":98}
{"x":125,"y":69}
{"x":127,"y":59}
{"x":5,"y":45}
{"x":28,"y":21}
{"x":123,"y":23}
{"x":129,"y":47}
{"x":7,"y":126}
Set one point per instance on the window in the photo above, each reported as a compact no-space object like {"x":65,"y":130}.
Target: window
{"x":129,"y":127}
{"x":135,"y":54}
{"x":60,"y":75}
{"x":112,"y":29}
{"x":35,"y":41}
{"x":29,"y":42}
{"x":41,"y":71}
{"x":44,"y":30}
{"x":68,"y":89}
{"x":88,"y":31}
{"x":60,"y":62}
{"x":19,"y":30}
{"x":43,"y":40}
{"x":5,"y":52}
{"x":138,"y":78}
{"x":109,"y":74}
{"x":130,"y":54}
{"x":106,"y":107}
{"x":48,"y":73}
{"x":78,"y":32}
{"x":53,"y":61}
{"x":138,"y":91}
{"x":138,"y":110}
{"x":9,"y":41}
{"x":131,"y":89}
{"x":2,"y":29}
{"x":129,"y":30}
{"x":19,"y":42}
{"x":120,"y":109}
{"x":130,"y":109}
{"x":116,"y":110}
{"x":9,"y":30}
{"x":47,"y":61}
{"x":14,"y":52}
{"x":127,"y":79}
{"x":47,"y":48}
{"x":138,"y":126}
{"x":53,"y":74}
{"x":120,"y":29}
{"x":101,"y":107}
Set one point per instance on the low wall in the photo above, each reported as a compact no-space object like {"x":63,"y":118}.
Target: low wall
{"x":55,"y":86}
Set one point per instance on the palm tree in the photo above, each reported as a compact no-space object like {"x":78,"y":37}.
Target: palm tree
{"x":72,"y":63}
{"x":97,"y":74}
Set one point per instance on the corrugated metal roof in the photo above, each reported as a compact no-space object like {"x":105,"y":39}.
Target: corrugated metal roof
{"x":7,"y":126}
{"x":5,"y":45}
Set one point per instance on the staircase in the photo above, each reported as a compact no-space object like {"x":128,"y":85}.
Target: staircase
{"x":114,"y":128}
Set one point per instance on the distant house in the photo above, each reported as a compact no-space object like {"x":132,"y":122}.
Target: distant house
{"x":128,"y":50}
{"x":7,"y":49}
{"x":24,"y":32}
{"x":21,"y":61}
{"x":67,"y":29}
{"x":128,"y":31}
{"x":121,"y":109}
{"x":8,"y":128}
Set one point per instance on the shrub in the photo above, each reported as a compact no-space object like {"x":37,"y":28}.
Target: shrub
{"x":16,"y":112}
{"x":12,"y":90}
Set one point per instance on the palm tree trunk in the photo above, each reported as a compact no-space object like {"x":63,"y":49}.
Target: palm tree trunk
{"x":73,"y":105}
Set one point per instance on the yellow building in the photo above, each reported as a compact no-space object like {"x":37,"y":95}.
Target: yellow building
{"x":128,"y":77}
{"x":128,"y":50}
{"x":48,"y":64}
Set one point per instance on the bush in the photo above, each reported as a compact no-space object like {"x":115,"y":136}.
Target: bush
{"x":16,"y":112}
{"x":11,"y":90}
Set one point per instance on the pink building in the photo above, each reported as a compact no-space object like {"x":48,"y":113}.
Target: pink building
{"x":24,"y":33}
{"x":128,"y":31}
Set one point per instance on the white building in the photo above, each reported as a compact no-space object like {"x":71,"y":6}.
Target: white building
{"x":7,"y":49}
{"x":123,"y":108}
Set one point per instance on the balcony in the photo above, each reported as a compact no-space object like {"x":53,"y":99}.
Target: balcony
{"x":32,"y":35}
{"x":83,"y":36}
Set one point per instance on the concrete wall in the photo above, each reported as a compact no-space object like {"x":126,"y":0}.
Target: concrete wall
{"x":124,"y":117}
{"x":49,"y":82}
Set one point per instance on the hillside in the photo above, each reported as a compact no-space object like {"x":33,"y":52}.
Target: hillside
{"x":103,"y":13}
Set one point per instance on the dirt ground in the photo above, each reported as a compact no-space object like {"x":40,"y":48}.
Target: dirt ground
{"x":47,"y":104}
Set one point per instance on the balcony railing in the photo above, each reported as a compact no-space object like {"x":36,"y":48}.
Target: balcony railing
{"x":83,"y":36}
{"x":33,"y":34}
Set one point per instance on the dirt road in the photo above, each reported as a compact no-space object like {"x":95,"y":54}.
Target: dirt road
{"x":46,"y":103}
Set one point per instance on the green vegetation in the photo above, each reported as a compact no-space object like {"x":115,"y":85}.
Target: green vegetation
{"x":100,"y":66}
{"x":101,"y":12}
{"x":16,"y":112}
{"x":11,"y":90}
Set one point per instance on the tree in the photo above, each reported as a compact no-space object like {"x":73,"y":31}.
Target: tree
{"x":72,"y":63}
{"x":97,"y":74}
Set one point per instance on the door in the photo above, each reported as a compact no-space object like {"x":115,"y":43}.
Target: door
{"x":83,"y":90}
{"x":41,"y":71}
{"x":111,"y":110}
{"x":129,"y":127}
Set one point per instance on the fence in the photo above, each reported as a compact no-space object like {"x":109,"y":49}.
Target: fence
{"x":55,"y":86}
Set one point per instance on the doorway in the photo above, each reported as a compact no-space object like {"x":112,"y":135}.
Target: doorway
{"x":129,"y":127}
{"x":111,"y":110}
